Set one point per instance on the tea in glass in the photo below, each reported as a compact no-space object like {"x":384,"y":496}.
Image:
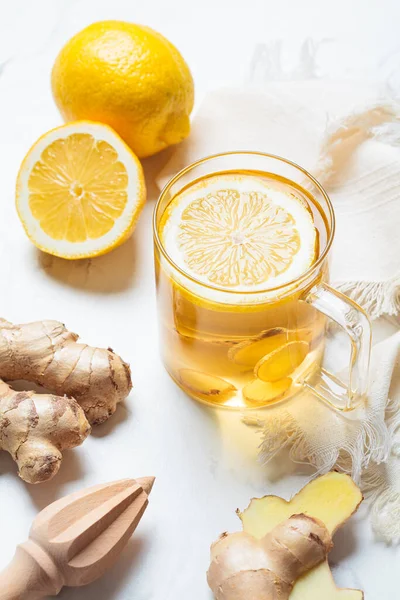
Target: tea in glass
{"x":236,"y":251}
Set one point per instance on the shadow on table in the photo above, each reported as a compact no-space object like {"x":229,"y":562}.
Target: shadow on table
{"x":152,"y":166}
{"x":242,"y":441}
{"x":45,"y":493}
{"x":122,"y":413}
{"x":113,"y":272}
{"x":236,"y":448}
{"x":345,"y":544}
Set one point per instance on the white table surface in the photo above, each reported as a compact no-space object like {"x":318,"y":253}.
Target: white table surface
{"x":204,"y":460}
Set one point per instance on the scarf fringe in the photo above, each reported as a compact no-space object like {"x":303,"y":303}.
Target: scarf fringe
{"x":380,"y":483}
{"x":369,"y":443}
{"x":376,"y":298}
{"x":384,"y":501}
{"x":385,"y":516}
{"x":268,"y":62}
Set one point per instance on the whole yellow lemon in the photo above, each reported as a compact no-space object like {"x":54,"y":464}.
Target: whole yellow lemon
{"x":129,"y":77}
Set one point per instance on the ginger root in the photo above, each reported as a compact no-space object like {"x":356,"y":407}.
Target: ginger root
{"x":329,"y":500}
{"x":87,"y":382}
{"x":243,"y":568}
{"x":35,"y":428}
{"x":47,"y":354}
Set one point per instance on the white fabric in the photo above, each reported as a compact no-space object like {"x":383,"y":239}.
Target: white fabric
{"x":348,"y":138}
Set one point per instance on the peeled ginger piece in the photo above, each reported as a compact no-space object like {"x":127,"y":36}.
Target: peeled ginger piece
{"x":331,"y":498}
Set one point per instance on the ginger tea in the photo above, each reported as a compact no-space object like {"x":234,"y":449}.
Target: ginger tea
{"x":234,"y":329}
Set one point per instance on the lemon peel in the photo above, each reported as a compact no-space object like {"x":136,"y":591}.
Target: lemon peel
{"x":129,"y":77}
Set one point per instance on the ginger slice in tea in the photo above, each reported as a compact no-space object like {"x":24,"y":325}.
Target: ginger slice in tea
{"x":202,"y":383}
{"x":282,"y":362}
{"x":204,"y":338}
{"x":262,"y":392}
{"x":249,"y":352}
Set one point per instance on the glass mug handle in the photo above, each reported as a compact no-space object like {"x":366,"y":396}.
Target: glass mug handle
{"x":355,"y":323}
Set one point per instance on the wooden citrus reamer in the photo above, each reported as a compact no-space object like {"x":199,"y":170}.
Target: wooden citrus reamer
{"x":76,"y":539}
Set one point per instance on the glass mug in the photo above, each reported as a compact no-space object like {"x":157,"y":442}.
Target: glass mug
{"x":251,"y":349}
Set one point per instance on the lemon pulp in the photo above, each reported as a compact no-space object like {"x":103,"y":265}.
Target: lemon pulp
{"x":240,"y":232}
{"x":80,"y":190}
{"x":77,"y":188}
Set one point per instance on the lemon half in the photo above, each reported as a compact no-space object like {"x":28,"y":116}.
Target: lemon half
{"x":240,"y":232}
{"x":80,"y":190}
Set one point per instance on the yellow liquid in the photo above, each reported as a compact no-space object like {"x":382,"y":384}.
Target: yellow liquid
{"x":248,"y":353}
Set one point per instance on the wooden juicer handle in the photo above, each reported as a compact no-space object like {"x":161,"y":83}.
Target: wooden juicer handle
{"x":76,"y":539}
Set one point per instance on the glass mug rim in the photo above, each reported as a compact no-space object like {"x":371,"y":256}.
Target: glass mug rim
{"x":289,"y":284}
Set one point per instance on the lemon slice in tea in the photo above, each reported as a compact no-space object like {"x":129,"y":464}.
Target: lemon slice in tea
{"x":240,"y":232}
